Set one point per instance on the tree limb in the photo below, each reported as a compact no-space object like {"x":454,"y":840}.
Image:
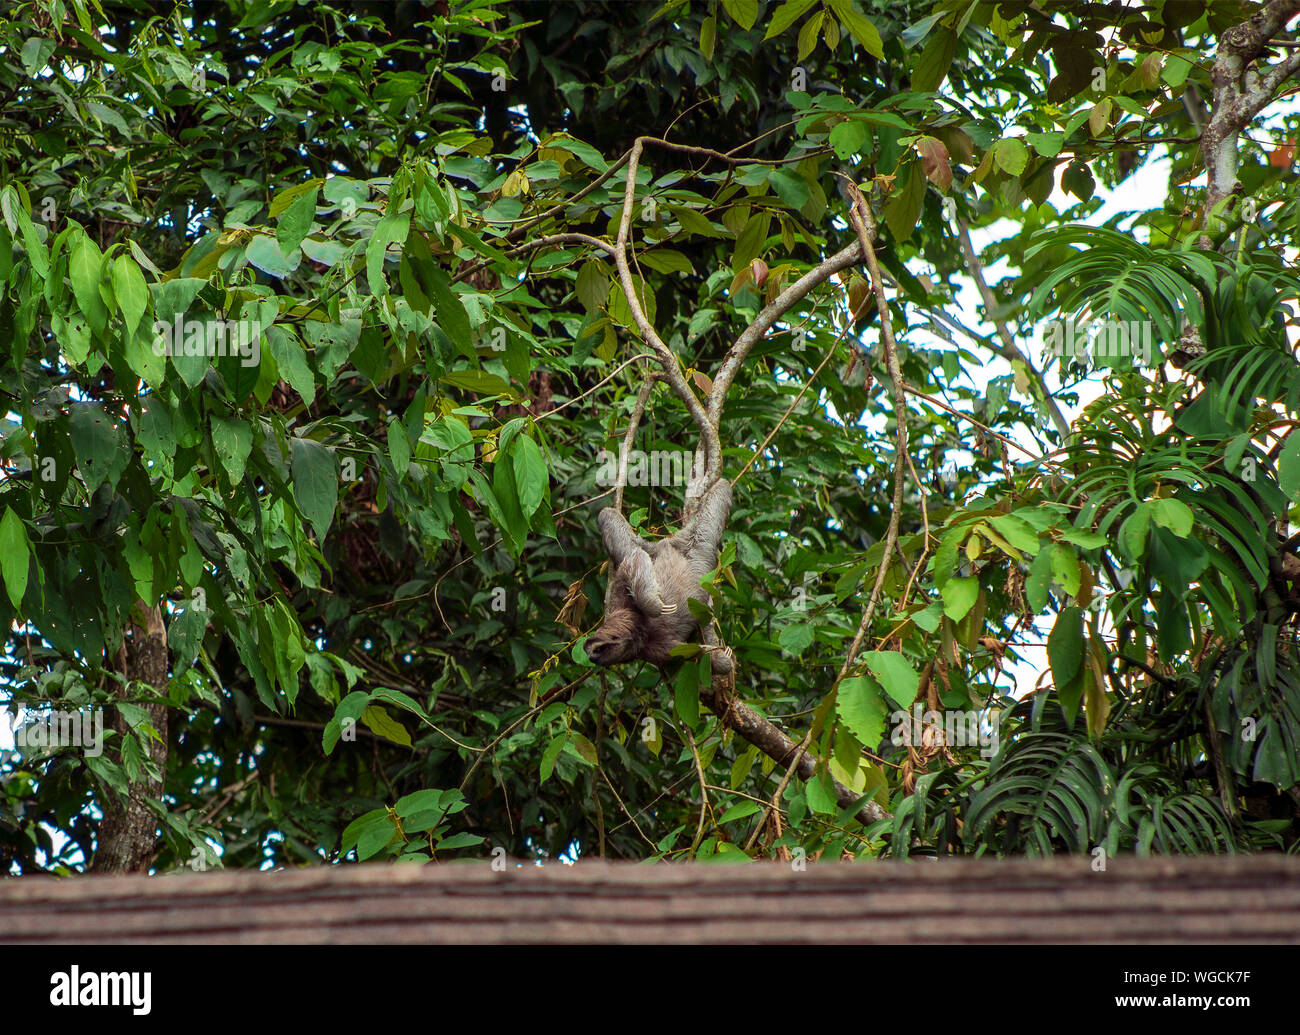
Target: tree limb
{"x":1240,"y":92}
{"x":1009,"y":351}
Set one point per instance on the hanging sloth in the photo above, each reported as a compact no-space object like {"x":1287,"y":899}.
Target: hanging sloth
{"x":646,"y":610}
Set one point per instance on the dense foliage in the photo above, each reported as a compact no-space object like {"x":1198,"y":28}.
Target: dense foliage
{"x":368,"y":526}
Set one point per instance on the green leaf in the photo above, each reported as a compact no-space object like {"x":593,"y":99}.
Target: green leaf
{"x":399,"y":700}
{"x":393,"y":228}
{"x":820,"y":794}
{"x":592,"y":287}
{"x":530,"y":473}
{"x":1084,"y":538}
{"x":15,"y":556}
{"x":549,"y":756}
{"x":449,"y":311}
{"x":665,"y":260}
{"x":1174,"y":515}
{"x":35,"y":53}
{"x":99,"y":445}
{"x":740,"y":810}
{"x":743,"y":12}
{"x":131,"y":291}
{"x":786,"y":15}
{"x":460,"y":840}
{"x":479,"y":382}
{"x":291,"y":360}
{"x":848,"y":138}
{"x":286,"y":198}
{"x":686,"y":694}
{"x":85,"y":269}
{"x":1065,"y":647}
{"x":585,"y":748}
{"x":1038,"y":581}
{"x":861,"y":708}
{"x":959,"y":596}
{"x":296,"y":222}
{"x":928,"y":619}
{"x":1065,"y":569}
{"x":315,"y":483}
{"x":172,"y":298}
{"x":399,"y":447}
{"x":419,"y":801}
{"x":1016,"y":531}
{"x":693,"y":222}
{"x":807,"y":41}
{"x":904,"y":209}
{"x":932,"y":64}
{"x":895,"y":673}
{"x":795,"y":638}
{"x":232,"y":440}
{"x":1288,"y":466}
{"x":1011,"y":155}
{"x":264,"y":252}
{"x":1133,"y":533}
{"x":861,"y":29}
{"x":708,"y":36}
{"x":141,"y":350}
{"x":384,"y":725}
{"x":750,"y":242}
{"x":1046,"y":144}
{"x":369,"y":833}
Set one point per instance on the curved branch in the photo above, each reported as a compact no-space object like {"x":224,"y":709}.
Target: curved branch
{"x":1241,"y":90}
{"x":864,"y":224}
{"x":772,"y":312}
{"x":638,"y":411}
{"x":1009,"y":351}
{"x":672,"y":370}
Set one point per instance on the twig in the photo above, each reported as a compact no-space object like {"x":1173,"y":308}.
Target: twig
{"x":864,"y":225}
{"x":634,"y":421}
{"x":704,"y":787}
{"x":667,"y":360}
{"x":578,"y":398}
{"x":1009,"y":351}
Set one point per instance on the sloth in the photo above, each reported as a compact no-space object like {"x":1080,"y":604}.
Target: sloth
{"x":646,"y":610}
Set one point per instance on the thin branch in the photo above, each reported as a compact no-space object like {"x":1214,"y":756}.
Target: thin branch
{"x":704,"y":788}
{"x":1037,"y":458}
{"x":772,"y":312}
{"x":667,"y":359}
{"x":610,"y":376}
{"x":634,"y":421}
{"x":1009,"y":351}
{"x":864,"y":225}
{"x":468,"y":270}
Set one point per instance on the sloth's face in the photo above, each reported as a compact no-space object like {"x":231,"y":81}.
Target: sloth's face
{"x":604,"y":652}
{"x":616,"y":639}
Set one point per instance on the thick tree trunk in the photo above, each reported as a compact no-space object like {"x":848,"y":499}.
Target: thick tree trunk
{"x":129,"y":833}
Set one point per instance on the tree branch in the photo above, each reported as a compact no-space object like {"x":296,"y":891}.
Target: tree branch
{"x":772,"y":312}
{"x":1009,"y":351}
{"x":1240,"y":93}
{"x":667,"y":359}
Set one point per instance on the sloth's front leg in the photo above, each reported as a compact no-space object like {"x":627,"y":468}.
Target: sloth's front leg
{"x":638,"y":571}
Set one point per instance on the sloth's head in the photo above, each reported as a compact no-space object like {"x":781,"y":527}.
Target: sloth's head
{"x":618,"y":638}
